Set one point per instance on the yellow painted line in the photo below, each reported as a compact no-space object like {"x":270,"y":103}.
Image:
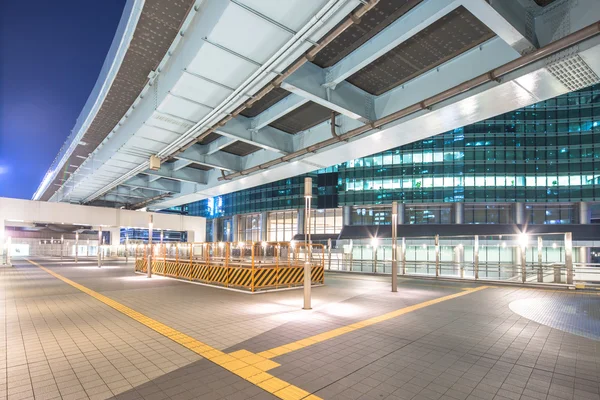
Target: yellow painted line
{"x":248,"y":366}
{"x":288,"y":348}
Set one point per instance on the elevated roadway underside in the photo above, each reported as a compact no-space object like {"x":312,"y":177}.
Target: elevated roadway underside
{"x":320,"y":83}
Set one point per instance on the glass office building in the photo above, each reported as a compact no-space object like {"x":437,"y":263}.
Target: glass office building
{"x":535,"y":165}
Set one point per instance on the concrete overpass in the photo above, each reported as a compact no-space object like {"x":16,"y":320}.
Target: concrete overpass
{"x":26,"y":213}
{"x":233,"y":94}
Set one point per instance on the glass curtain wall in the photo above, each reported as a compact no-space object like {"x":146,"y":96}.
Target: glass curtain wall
{"x":283,"y":225}
{"x":328,"y":221}
{"x":249,"y":226}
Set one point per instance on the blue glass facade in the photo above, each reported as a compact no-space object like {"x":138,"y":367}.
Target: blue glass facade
{"x":545,"y":153}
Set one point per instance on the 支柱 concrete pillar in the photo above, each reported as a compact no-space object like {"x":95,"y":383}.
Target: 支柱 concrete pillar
{"x":519,"y":213}
{"x":264,"y":224}
{"x":585,"y":218}
{"x":459,"y":213}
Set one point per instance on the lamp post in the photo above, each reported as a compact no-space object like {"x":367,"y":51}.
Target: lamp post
{"x":394,"y":246}
{"x":99,"y":248}
{"x":307,"y":242}
{"x":150,"y":224}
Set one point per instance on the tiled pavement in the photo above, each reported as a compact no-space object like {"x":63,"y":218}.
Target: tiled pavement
{"x":57,"y":342}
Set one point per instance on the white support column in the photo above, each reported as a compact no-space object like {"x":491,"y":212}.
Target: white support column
{"x":394,"y":246}
{"x":115,"y":236}
{"x":459,"y":213}
{"x":264,"y":223}
{"x":346,"y":215}
{"x":585,"y":218}
{"x":300,"y":230}
{"x":519,"y":216}
{"x":215,"y":230}
{"x":234,"y":228}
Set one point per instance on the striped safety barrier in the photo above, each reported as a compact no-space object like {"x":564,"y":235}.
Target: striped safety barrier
{"x":233,"y":276}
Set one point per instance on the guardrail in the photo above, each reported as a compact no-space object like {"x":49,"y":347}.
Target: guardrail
{"x":247,"y":266}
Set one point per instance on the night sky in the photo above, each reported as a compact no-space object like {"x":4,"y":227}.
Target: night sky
{"x":51,"y":53}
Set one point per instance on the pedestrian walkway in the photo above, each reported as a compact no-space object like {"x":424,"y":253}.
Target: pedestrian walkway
{"x":76,"y":331}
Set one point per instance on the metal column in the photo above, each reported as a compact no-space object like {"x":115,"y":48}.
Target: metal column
{"x":150,"y":253}
{"x":307,"y":243}
{"x":394,"y":246}
{"x":437,"y":255}
{"x":76,"y":247}
{"x":476,"y":257}
{"x":99,"y":248}
{"x":540,"y":274}
{"x":264,"y":224}
{"x":585,"y":218}
{"x":569,"y":257}
{"x":459,"y":213}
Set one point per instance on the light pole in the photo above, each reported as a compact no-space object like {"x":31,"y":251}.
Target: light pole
{"x":99,"y":248}
{"x":307,"y":242}
{"x":394,"y":246}
{"x":149,"y":268}
{"x":62,"y":241}
{"x":76,"y":246}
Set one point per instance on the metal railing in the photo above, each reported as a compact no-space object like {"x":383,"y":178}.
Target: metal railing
{"x":518,"y":258}
{"x":245,"y":265}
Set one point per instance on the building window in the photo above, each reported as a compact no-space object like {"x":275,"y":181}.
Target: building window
{"x":282,"y":226}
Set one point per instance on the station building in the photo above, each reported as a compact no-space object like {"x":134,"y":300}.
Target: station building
{"x":537,"y":166}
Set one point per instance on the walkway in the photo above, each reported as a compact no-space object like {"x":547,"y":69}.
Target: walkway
{"x":74,"y":331}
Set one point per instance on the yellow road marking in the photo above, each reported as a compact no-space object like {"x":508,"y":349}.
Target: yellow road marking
{"x":288,"y":348}
{"x":246,"y":365}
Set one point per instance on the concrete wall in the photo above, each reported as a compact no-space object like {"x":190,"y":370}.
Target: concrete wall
{"x":50,"y":212}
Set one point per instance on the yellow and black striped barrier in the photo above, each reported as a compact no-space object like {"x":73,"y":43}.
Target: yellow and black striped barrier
{"x":234,"y":276}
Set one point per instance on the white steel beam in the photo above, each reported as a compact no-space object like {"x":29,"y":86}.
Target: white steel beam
{"x":512,"y":22}
{"x":164,"y":185}
{"x":267,"y":138}
{"x":277,"y":110}
{"x":309,"y":83}
{"x":220,"y":160}
{"x":216,"y":145}
{"x":183,"y":175}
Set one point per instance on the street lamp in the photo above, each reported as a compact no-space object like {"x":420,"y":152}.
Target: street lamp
{"x":394,"y":245}
{"x":150,"y":225}
{"x":307,"y":242}
{"x":100,"y":248}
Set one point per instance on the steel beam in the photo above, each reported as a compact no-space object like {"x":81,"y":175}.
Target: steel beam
{"x":183,"y":175}
{"x":278,"y":110}
{"x":509,"y":20}
{"x":164,"y":185}
{"x":309,"y":83}
{"x":220,"y":160}
{"x":216,"y":145}
{"x":267,"y":138}
{"x":136,"y":193}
